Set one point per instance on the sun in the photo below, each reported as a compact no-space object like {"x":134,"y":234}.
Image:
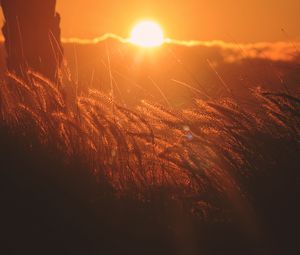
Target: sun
{"x":147,"y":34}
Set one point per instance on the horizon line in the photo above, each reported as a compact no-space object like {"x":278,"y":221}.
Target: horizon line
{"x":280,"y":50}
{"x":187,"y":43}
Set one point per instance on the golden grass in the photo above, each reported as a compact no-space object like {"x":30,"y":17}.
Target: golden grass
{"x":198,"y":154}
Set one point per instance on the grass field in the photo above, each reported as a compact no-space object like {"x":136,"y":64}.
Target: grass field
{"x":83,"y":174}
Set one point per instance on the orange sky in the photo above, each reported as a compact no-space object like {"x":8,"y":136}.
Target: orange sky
{"x":228,"y":20}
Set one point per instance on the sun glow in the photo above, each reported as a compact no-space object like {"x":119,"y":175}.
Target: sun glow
{"x":147,"y":34}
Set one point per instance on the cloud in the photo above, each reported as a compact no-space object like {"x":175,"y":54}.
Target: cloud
{"x":278,"y":51}
{"x":231,"y":52}
{"x":94,"y":40}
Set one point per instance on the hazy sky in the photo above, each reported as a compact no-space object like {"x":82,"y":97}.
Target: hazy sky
{"x":229,"y":20}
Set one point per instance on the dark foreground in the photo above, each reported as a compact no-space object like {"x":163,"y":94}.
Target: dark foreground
{"x":50,"y":205}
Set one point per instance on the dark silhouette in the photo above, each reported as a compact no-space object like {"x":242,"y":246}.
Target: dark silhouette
{"x":32,"y":37}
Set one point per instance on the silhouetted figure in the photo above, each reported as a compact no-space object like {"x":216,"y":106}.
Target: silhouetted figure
{"x":32,"y":37}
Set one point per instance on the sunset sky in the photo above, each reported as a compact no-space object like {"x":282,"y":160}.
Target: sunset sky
{"x":228,"y":20}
